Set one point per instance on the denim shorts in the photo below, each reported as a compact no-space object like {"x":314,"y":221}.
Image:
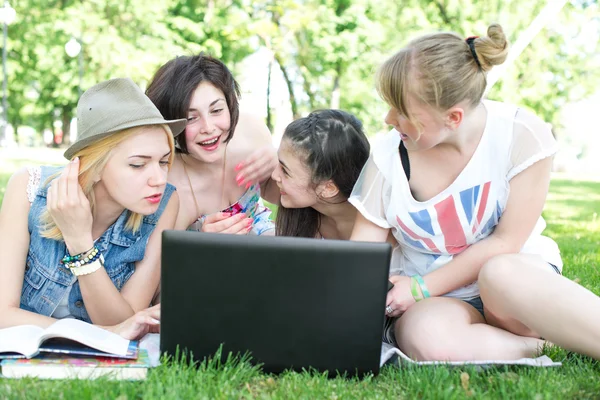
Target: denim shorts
{"x":476,"y":302}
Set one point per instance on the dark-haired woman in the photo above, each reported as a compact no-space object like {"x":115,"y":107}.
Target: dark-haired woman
{"x":225,"y":158}
{"x":320,"y":159}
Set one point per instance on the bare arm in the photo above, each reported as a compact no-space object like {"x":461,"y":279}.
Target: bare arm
{"x":528,"y":192}
{"x":104,"y":303}
{"x":14,"y":246}
{"x":262,"y":160}
{"x":366,"y":231}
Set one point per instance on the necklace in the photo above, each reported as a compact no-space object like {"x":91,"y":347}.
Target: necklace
{"x":198,"y":216}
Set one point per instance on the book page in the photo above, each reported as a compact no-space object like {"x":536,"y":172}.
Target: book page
{"x":88,"y":335}
{"x":23,"y":339}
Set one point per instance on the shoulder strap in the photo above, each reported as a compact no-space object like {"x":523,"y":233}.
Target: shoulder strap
{"x":404,"y":159}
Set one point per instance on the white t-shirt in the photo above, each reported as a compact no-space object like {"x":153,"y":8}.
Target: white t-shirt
{"x":431,"y":232}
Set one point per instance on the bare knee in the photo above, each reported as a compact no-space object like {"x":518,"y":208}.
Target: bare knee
{"x":420,"y":344}
{"x":431,"y":336}
{"x":498,"y":270}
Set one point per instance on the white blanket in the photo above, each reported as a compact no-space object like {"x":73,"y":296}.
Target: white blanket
{"x":388,"y":351}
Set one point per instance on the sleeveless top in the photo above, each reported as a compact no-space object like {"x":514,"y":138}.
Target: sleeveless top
{"x":49,"y":288}
{"x":431,"y":232}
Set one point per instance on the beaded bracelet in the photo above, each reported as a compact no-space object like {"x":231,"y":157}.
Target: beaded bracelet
{"x":81,"y":259}
{"x":69,"y":258}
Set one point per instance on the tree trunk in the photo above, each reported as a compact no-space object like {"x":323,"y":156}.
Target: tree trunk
{"x":66,"y":125}
{"x":335,"y":94}
{"x":269,"y":122}
{"x":336,"y":91}
{"x":289,"y":85}
{"x":15,"y":124}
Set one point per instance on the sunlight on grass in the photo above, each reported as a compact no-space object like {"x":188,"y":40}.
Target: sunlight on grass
{"x":572,"y":214}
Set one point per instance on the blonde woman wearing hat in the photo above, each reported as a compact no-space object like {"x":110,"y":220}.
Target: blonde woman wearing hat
{"x":83,"y":241}
{"x":224,"y":158}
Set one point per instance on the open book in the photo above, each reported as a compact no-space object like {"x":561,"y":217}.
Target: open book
{"x":82,"y":338}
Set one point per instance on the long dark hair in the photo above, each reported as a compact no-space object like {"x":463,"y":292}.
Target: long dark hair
{"x":174,"y":83}
{"x":335,"y":148}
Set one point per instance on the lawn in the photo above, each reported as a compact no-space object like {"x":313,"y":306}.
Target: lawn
{"x":572,"y":214}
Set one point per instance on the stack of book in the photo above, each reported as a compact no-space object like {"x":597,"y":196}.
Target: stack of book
{"x":70,"y":349}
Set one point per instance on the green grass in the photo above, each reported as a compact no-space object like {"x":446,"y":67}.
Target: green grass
{"x":572,"y":214}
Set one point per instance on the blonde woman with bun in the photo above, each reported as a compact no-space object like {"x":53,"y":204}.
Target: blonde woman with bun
{"x":461,"y":183}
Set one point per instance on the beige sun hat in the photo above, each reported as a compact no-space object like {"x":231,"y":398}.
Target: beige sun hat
{"x":113,"y":106}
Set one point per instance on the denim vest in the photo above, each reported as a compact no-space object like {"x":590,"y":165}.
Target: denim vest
{"x":47,"y":281}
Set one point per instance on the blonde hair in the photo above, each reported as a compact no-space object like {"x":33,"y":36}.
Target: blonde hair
{"x":439,"y":70}
{"x":92,"y":160}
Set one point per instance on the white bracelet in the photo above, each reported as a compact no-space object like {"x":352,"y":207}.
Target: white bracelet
{"x":87,"y":269}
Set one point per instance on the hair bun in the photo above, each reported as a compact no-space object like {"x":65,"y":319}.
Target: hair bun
{"x":492,"y":49}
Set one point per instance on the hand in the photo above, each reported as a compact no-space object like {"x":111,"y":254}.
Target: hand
{"x":70,"y":209}
{"x":225,"y":223}
{"x":138,"y":325}
{"x":399,"y":298}
{"x":257,"y":168}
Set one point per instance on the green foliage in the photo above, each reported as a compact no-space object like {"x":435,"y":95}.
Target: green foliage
{"x":328,"y":50}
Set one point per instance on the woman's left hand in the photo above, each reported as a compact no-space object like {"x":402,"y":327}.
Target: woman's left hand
{"x":258,"y":167}
{"x":139,"y":324}
{"x":399,"y":298}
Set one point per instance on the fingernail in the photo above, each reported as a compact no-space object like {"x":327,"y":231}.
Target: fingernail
{"x":76,"y":159}
{"x":154,"y":321}
{"x":248,"y":185}
{"x":238,"y":167}
{"x":249,"y":221}
{"x":226,"y":214}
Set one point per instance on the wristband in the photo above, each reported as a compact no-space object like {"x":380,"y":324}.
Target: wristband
{"x":414,"y":290}
{"x":422,"y":285}
{"x":88,"y":268}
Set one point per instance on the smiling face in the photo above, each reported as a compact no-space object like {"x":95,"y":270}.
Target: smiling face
{"x":293,"y":178}
{"x":135,"y":174}
{"x":208,"y":124}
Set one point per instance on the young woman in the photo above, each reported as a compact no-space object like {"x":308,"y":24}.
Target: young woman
{"x":461,"y":184}
{"x":83,"y":241}
{"x":320,"y":158}
{"x":224,"y":160}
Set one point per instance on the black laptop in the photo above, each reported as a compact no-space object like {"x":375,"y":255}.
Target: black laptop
{"x":292,"y":303}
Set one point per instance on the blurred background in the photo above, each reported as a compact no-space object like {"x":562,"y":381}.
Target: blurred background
{"x":290,"y":57}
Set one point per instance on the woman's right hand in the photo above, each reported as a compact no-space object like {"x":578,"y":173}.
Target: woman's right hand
{"x":70,"y":209}
{"x":226,"y":223}
{"x":138,"y":325}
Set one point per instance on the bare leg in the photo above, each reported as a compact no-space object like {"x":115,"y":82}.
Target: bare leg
{"x":445,"y":329}
{"x":523,"y":295}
